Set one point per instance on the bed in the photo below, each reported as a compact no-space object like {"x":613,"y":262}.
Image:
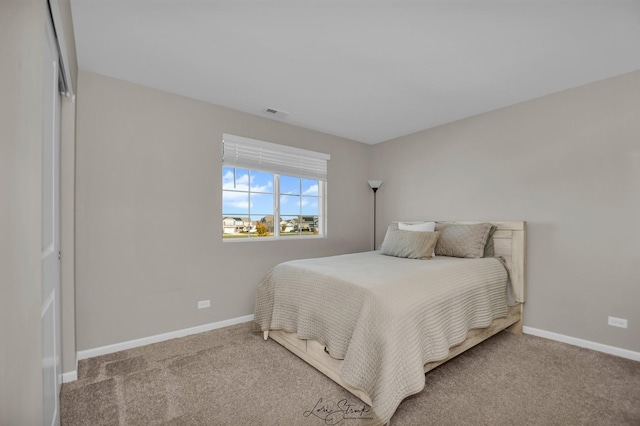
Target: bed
{"x":375,"y":323}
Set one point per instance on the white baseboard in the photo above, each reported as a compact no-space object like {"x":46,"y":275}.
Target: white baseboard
{"x":116,"y":347}
{"x":103,"y":350}
{"x":70,"y":376}
{"x":612,"y":350}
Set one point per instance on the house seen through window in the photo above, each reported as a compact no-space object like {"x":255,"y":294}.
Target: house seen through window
{"x":264,"y":197}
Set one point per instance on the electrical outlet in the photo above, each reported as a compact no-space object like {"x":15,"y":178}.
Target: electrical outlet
{"x":618,"y":322}
{"x":204,"y":304}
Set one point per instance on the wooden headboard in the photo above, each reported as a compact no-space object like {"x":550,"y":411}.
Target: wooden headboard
{"x":509,"y":241}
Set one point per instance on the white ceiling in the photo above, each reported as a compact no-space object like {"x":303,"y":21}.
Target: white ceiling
{"x":367,"y":70}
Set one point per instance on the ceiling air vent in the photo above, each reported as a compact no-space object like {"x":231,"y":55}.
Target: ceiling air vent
{"x":277,"y":113}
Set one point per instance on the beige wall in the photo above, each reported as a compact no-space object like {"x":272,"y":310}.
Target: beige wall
{"x":569,"y":164}
{"x":148,"y":218}
{"x":21,"y":76}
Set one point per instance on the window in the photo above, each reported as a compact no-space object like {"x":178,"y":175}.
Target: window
{"x":271,"y":191}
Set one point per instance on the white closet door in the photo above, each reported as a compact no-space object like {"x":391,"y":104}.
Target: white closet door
{"x":51,"y":339}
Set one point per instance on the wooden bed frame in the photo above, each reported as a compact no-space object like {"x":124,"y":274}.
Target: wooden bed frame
{"x":509,"y":242}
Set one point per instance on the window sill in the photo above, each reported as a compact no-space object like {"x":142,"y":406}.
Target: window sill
{"x":287,"y":238}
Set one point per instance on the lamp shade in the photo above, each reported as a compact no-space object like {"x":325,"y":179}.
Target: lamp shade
{"x":375,"y":184}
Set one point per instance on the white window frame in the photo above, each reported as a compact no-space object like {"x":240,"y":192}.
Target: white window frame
{"x":257,"y":155}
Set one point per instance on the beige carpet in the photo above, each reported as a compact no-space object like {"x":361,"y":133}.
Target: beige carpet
{"x":231,"y":376}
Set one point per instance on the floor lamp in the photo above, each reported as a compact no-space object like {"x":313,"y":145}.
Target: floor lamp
{"x":374,"y":184}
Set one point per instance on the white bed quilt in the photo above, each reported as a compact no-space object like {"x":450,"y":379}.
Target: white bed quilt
{"x":385,"y":316}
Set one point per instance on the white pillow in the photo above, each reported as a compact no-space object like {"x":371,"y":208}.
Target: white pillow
{"x":419,"y":227}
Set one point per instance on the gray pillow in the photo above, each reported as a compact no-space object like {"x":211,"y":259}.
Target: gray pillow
{"x":462,"y":240}
{"x":392,"y":226}
{"x":409,"y":244}
{"x":488,"y":247}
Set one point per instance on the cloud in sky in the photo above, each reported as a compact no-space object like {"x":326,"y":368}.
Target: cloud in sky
{"x":236,"y":199}
{"x":312,"y":190}
{"x":237,"y":205}
{"x":235,"y":196}
{"x":242,"y":182}
{"x":291,"y":196}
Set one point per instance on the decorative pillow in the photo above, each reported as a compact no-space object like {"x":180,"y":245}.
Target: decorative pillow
{"x":462,"y":240}
{"x":488,"y":247}
{"x":420,"y":227}
{"x":409,"y":244}
{"x":392,"y":227}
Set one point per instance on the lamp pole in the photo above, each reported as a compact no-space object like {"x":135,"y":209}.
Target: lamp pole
{"x":374,"y":184}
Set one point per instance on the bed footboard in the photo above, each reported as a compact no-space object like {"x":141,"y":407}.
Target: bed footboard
{"x":315,"y":355}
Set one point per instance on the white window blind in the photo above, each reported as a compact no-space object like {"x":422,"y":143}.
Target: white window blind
{"x":248,"y":153}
